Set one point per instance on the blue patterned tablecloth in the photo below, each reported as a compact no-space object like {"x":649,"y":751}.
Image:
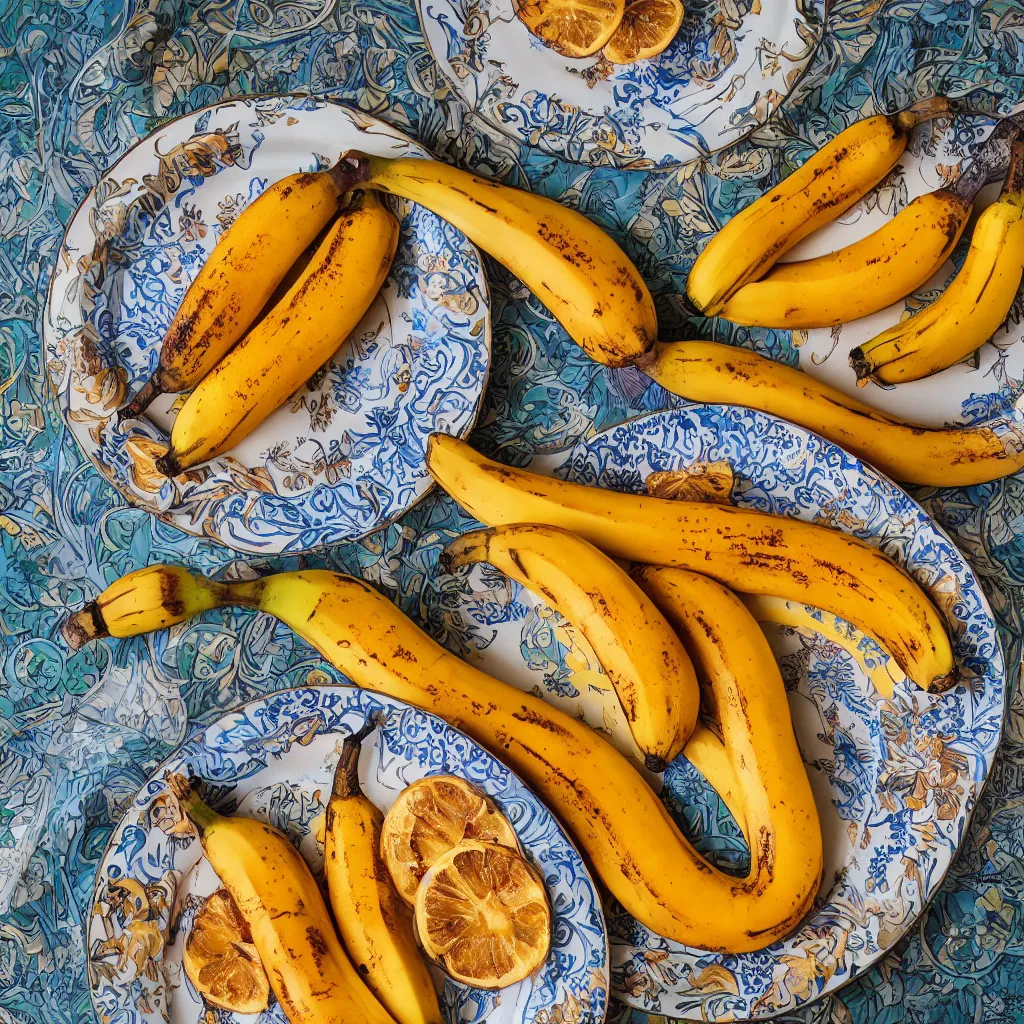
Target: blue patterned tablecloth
{"x":80,"y":82}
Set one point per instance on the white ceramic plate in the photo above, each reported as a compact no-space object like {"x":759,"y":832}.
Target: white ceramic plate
{"x":895,"y":778}
{"x":726,"y":72}
{"x":273,"y":760}
{"x":344,"y":456}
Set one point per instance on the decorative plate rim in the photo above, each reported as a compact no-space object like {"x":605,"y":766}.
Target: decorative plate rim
{"x":199,"y":729}
{"x":195,"y":530}
{"x":823,"y":10}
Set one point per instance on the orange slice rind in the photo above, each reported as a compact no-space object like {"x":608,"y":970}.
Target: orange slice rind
{"x":482,"y":915}
{"x":428,"y":819}
{"x":221,"y":960}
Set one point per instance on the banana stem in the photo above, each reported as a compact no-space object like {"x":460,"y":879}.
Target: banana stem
{"x":1013,"y":187}
{"x":144,"y":397}
{"x":923,"y":110}
{"x":83,"y":626}
{"x":346,"y":775}
{"x":192,"y":806}
{"x":351,"y":170}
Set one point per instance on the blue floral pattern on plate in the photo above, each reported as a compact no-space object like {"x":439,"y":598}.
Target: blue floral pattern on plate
{"x":273,"y":759}
{"x":896,"y":778}
{"x":344,"y":456}
{"x":730,"y":66}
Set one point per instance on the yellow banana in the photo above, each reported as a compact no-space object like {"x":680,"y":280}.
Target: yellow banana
{"x":707,"y":371}
{"x":751,"y":551}
{"x":585,"y":280}
{"x":737,"y":667}
{"x":829,"y":183}
{"x":376,"y":926}
{"x":641,"y":655}
{"x":862,"y":278}
{"x":707,"y":753}
{"x":238,"y":278}
{"x":291,"y":928}
{"x":627,"y":834}
{"x":965,"y":315}
{"x":155,"y":597}
{"x":292,"y":342}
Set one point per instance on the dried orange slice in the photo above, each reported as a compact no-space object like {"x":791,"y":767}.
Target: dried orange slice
{"x":575,"y":28}
{"x":221,"y":961}
{"x":429,"y":818}
{"x":483,"y":916}
{"x":647,"y":27}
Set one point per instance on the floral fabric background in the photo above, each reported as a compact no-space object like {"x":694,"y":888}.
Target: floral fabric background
{"x":80,"y":82}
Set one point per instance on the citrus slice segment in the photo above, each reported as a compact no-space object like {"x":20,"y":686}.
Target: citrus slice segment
{"x":429,"y":818}
{"x":575,"y":28}
{"x":647,"y":27}
{"x":221,"y":960}
{"x":483,"y":916}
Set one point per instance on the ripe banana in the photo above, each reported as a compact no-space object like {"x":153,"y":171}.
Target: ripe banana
{"x":829,"y":183}
{"x":641,"y":655}
{"x":376,"y":926}
{"x":707,"y":371}
{"x":752,"y":552}
{"x":737,"y":667}
{"x":294,"y":340}
{"x":234,"y":284}
{"x":291,"y":928}
{"x":966,"y":314}
{"x":585,"y":280}
{"x":863,"y":278}
{"x":626,"y":832}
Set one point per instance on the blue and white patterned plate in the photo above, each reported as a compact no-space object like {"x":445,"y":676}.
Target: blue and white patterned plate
{"x":274,"y":760}
{"x":344,"y":456}
{"x":730,"y":66}
{"x":896,"y":777}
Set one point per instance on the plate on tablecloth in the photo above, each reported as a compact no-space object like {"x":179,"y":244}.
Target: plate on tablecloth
{"x":895,"y":778}
{"x":726,"y":72}
{"x":345,"y":455}
{"x":273,"y":760}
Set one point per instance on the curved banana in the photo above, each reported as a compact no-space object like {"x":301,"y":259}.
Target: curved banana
{"x":737,"y":666}
{"x":626,"y":832}
{"x":707,"y":371}
{"x":751,"y":551}
{"x":237,"y":280}
{"x":826,"y":186}
{"x":641,"y":655}
{"x":376,"y":926}
{"x":585,"y":280}
{"x":966,"y":314}
{"x":292,"y":342}
{"x":280,"y":901}
{"x":860,"y":279}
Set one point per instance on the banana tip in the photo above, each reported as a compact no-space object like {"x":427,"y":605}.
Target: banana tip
{"x":655,"y":763}
{"x":168,"y":465}
{"x":85,"y":625}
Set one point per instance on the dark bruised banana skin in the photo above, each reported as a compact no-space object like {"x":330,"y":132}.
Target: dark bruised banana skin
{"x":237,"y":280}
{"x":707,"y":371}
{"x":752,"y":552}
{"x":586,"y":281}
{"x":638,"y":650}
{"x":840,"y":174}
{"x":626,"y":832}
{"x":278,"y":896}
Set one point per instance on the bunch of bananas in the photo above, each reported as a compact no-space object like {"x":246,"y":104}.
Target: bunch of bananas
{"x":282,"y":289}
{"x":559,"y":539}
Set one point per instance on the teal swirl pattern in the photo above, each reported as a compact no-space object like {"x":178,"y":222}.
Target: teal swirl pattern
{"x":83,"y":80}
